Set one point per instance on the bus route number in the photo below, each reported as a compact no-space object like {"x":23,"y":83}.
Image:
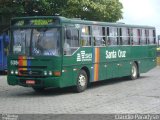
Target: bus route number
{"x":14,"y":62}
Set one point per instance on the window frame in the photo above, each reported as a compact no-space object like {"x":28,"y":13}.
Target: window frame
{"x":70,"y":45}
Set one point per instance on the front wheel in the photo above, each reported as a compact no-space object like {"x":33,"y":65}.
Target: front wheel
{"x":134,"y":72}
{"x":82,"y":81}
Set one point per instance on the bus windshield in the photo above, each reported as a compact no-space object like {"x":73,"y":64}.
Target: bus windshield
{"x":37,"y":41}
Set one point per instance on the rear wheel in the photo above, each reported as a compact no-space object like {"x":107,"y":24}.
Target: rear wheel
{"x":134,"y":71}
{"x":82,"y":81}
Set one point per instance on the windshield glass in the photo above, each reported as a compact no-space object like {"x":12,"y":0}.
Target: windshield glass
{"x":21,"y":41}
{"x":40,"y":41}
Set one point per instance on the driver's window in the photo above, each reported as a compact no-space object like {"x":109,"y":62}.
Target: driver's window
{"x":21,"y":41}
{"x":71,"y":41}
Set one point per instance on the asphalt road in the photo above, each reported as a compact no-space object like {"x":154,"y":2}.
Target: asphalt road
{"x":112,"y":96}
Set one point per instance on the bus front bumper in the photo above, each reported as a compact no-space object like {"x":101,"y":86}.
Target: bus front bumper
{"x":38,"y":82}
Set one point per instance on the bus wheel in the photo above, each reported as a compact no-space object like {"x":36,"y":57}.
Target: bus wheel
{"x":38,"y":89}
{"x":134,"y":71}
{"x":82,"y":81}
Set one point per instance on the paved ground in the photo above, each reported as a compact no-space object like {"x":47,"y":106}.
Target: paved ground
{"x":113,"y":96}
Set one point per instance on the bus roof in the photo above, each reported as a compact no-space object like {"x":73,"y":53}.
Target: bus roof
{"x":85,"y":22}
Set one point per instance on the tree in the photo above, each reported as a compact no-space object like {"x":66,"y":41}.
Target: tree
{"x":10,"y":8}
{"x":100,"y":10}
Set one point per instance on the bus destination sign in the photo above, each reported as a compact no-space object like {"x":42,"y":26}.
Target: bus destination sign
{"x":37,"y":22}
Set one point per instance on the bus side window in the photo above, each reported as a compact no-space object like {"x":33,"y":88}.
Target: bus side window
{"x":113,"y":35}
{"x":135,"y":36}
{"x":85,"y":39}
{"x":151,"y":37}
{"x":71,"y":42}
{"x":143,"y":37}
{"x":147,"y":36}
{"x":139,"y":36}
{"x":129,"y":33}
{"x":68,"y":34}
{"x":125,"y":36}
{"x":104,"y":36}
{"x":108,"y":40}
{"x":98,"y":35}
{"x":131,"y":36}
{"x":154,"y":36}
{"x":120,"y":36}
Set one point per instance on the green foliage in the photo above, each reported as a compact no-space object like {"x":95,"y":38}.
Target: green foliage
{"x":99,"y":10}
{"x":11,"y":9}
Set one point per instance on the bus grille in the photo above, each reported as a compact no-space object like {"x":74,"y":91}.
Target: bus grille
{"x":30,"y":72}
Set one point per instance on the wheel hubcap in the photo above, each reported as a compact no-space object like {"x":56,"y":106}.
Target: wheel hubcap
{"x":82,"y":80}
{"x":134,"y":71}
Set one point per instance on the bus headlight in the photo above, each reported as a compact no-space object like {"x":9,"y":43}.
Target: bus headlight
{"x":50,"y":72}
{"x":12,"y":72}
{"x":45,"y":72}
{"x":16,"y":72}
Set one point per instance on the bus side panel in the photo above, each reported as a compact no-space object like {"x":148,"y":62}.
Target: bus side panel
{"x":152,"y":56}
{"x":106,"y":63}
{"x":145,"y":56}
{"x":124,"y":68}
{"x":109,"y":70}
{"x":118,"y":61}
{"x":102,"y":71}
{"x":146,"y":65}
{"x":99,"y":63}
{"x":124,"y":61}
{"x":67,"y":72}
{"x":72,"y":65}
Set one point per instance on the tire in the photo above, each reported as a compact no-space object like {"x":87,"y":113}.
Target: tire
{"x":134,"y":72}
{"x":82,"y":81}
{"x":38,"y":89}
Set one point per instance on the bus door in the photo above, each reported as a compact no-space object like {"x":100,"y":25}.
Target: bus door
{"x":70,"y":46}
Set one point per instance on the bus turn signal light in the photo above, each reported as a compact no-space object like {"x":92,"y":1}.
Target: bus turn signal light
{"x":57,"y":73}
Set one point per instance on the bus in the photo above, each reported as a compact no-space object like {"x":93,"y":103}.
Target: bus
{"x":56,"y":52}
{"x":4,"y":49}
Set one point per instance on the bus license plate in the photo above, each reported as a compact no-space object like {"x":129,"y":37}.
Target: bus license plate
{"x":30,"y":82}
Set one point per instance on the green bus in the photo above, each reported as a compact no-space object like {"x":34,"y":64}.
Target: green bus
{"x":57,"y":52}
